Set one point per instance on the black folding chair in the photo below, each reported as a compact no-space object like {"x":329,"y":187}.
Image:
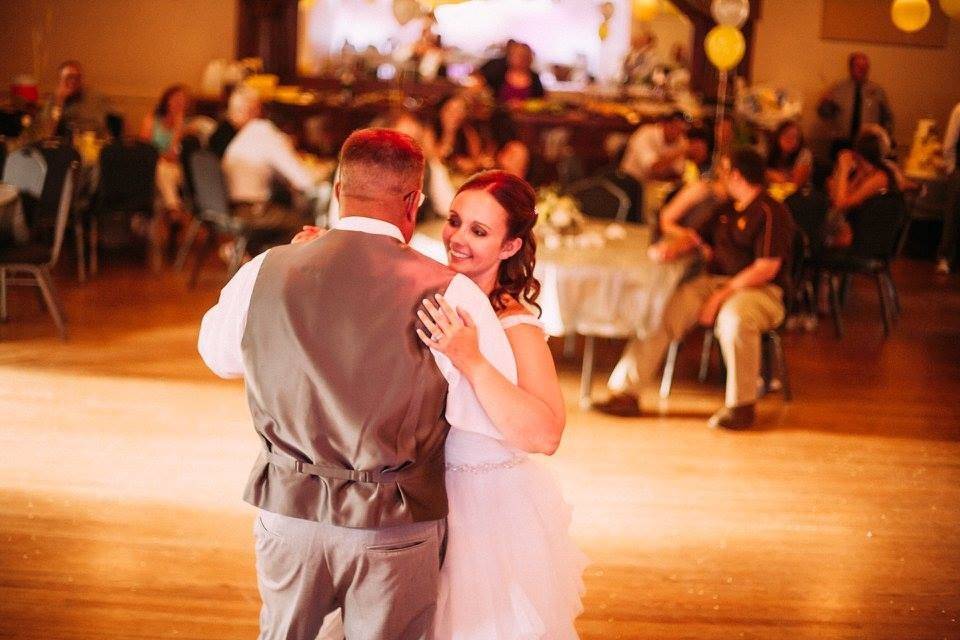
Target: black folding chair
{"x":878,"y":228}
{"x":32,"y":263}
{"x":601,"y":198}
{"x":127,"y":180}
{"x":213,"y":211}
{"x":61,"y":158}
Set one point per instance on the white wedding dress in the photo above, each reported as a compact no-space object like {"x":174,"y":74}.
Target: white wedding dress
{"x":511,"y":570}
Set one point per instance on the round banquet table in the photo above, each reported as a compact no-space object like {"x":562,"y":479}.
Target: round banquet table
{"x":599,"y":283}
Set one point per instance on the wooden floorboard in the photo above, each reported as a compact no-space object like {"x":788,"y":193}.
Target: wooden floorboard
{"x":837,"y":517}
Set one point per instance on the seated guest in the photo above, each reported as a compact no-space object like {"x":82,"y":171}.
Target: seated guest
{"x":257,"y":154}
{"x":789,"y":160}
{"x":164,"y":129}
{"x":687,"y":213}
{"x":453,"y":140}
{"x":73,"y":108}
{"x":748,"y":249}
{"x":512,"y":78}
{"x":657,"y":151}
{"x":860,"y":174}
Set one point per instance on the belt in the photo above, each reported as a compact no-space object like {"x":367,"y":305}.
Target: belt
{"x":339,"y":473}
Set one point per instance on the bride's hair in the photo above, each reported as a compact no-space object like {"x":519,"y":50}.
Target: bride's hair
{"x":517,"y":197}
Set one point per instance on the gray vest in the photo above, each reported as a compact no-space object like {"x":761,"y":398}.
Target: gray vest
{"x":348,"y":402}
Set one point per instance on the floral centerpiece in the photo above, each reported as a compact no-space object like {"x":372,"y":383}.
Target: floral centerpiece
{"x":558,"y":214}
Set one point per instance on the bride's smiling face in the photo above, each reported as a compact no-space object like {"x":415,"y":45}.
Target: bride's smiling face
{"x":475,"y":236}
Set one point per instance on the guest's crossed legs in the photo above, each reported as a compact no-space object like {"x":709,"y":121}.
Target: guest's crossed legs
{"x":385,"y":580}
{"x":742,"y":319}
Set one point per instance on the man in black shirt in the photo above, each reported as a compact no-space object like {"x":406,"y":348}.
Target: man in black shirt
{"x":747,"y":247}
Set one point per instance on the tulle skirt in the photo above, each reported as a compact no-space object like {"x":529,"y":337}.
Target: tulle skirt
{"x":511,"y":570}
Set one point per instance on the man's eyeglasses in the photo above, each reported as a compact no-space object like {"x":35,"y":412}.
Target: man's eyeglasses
{"x":422,"y":197}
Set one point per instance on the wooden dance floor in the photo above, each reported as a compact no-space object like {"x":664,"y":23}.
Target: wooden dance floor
{"x":838,"y":517}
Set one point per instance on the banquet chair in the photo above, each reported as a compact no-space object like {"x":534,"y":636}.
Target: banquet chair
{"x":127,"y":180}
{"x":31,"y":264}
{"x":773,"y":362}
{"x":214,"y":213}
{"x":61,"y":157}
{"x":601,"y":198}
{"x":878,"y":231}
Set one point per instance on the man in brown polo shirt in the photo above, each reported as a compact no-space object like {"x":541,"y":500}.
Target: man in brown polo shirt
{"x":747,"y":247}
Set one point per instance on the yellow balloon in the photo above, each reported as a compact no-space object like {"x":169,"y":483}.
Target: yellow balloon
{"x":725,"y":46}
{"x":910,"y":15}
{"x":951,"y":7}
{"x":646,"y":10}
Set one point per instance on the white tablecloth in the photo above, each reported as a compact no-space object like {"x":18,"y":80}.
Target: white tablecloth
{"x":597,"y":283}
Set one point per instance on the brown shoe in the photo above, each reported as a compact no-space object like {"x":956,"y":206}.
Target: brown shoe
{"x":734,"y":418}
{"x":624,"y":405}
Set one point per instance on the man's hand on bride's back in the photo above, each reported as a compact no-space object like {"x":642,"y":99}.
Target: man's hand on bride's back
{"x":451,"y":332}
{"x":309,"y":233}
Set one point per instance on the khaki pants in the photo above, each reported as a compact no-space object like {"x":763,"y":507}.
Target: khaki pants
{"x":384,"y":580}
{"x":742,"y":319}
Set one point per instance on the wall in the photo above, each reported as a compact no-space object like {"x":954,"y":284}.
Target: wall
{"x":130,"y":49}
{"x":920,"y":82}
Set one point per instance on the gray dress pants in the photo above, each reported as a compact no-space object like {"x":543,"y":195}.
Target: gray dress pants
{"x":384,"y":580}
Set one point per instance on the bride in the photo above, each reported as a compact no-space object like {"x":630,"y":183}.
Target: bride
{"x":511,"y":570}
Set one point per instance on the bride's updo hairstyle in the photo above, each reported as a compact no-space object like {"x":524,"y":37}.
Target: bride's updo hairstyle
{"x":517,"y":197}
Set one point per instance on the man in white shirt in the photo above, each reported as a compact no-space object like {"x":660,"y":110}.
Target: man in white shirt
{"x":258,"y":153}
{"x":947,"y":251}
{"x":656,"y":153}
{"x":351,"y":409}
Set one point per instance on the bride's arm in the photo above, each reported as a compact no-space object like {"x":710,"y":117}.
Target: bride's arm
{"x":529,"y":414}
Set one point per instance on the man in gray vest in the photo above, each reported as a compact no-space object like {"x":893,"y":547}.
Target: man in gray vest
{"x":351,"y":410}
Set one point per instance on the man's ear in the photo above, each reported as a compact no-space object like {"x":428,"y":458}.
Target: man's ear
{"x":510,"y":247}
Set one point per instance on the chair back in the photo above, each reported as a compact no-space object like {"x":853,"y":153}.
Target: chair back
{"x":65,"y":191}
{"x":600,"y":198}
{"x":127,"y":177}
{"x":61,"y":158}
{"x":188,"y":146}
{"x":877,"y":226}
{"x":209,"y":187}
{"x":810,"y":208}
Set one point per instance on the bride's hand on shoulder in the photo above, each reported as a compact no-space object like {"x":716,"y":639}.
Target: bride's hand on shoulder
{"x":451,"y":332}
{"x":308,"y":233}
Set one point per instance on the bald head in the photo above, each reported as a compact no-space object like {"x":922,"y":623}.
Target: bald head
{"x":381,"y":176}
